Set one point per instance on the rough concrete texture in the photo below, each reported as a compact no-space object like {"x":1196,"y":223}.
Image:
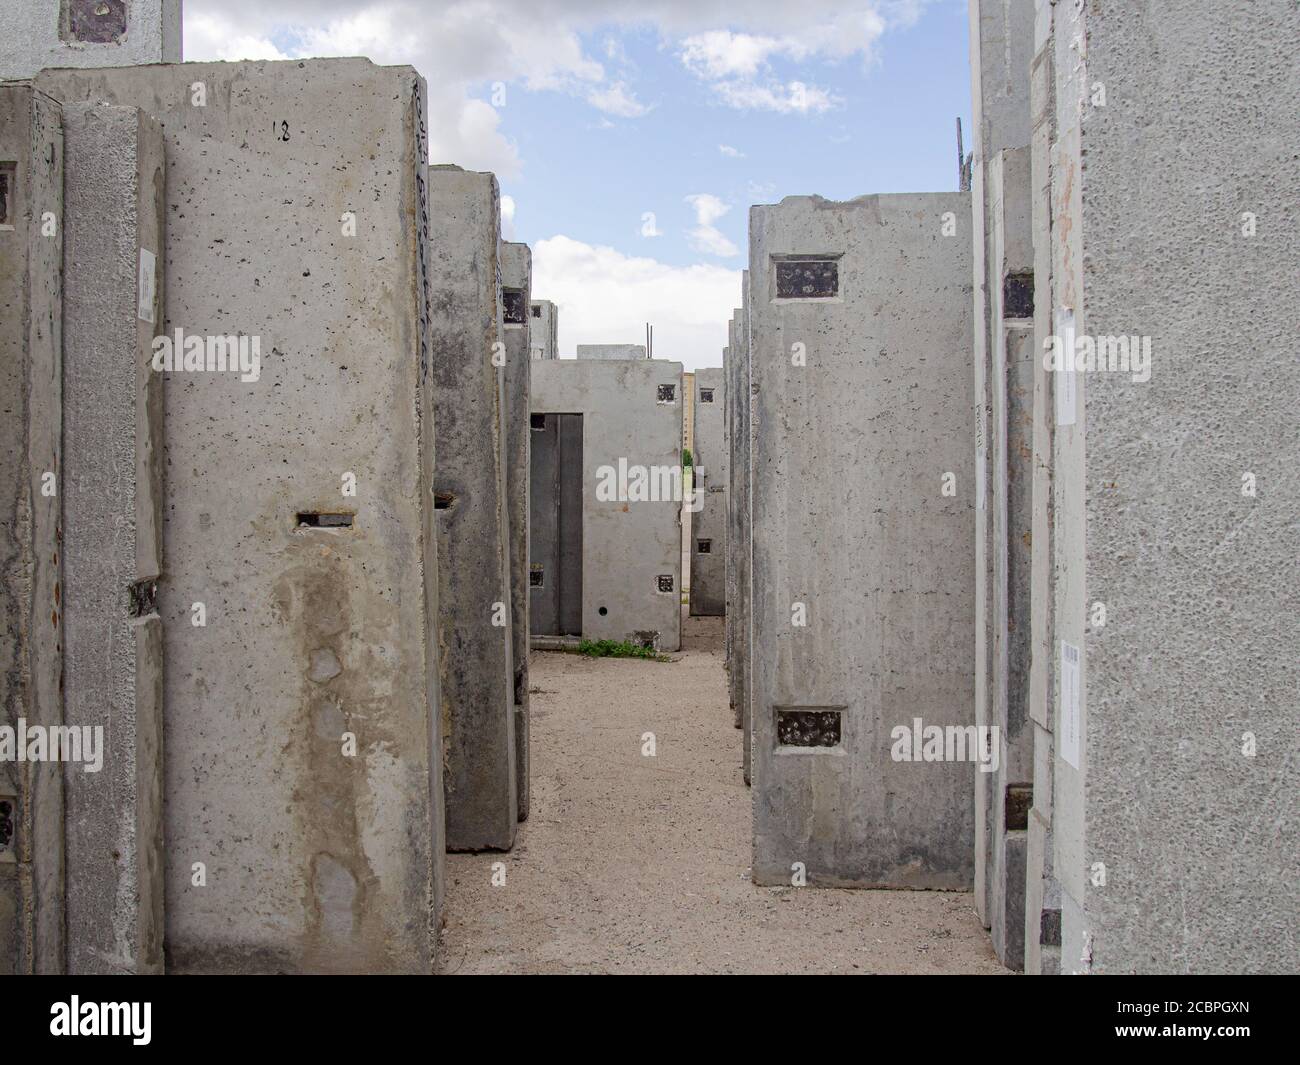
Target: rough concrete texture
{"x":312,"y":859}
{"x":1001,"y":39}
{"x":71,"y":33}
{"x":611,"y":351}
{"x":543,"y":329}
{"x":631,"y":547}
{"x":635,"y":864}
{"x":471,"y":487}
{"x":31,"y":610}
{"x":1042,"y":892}
{"x":1010,"y":494}
{"x":709,"y":480}
{"x":862,"y":541}
{"x":1195,"y":665}
{"x":745,"y":718}
{"x":517,"y":274}
{"x":112,"y":529}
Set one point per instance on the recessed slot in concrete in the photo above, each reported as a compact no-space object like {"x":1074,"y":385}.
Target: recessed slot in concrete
{"x":704,"y":547}
{"x":8,"y":192}
{"x":537,"y":422}
{"x":514,"y":307}
{"x":1018,"y":295}
{"x":93,"y":21}
{"x":537,"y":576}
{"x":706,"y":395}
{"x":665,"y":582}
{"x":647,"y":638}
{"x":667,"y":393}
{"x":141,"y":598}
{"x":8,"y":820}
{"x":537,"y":312}
{"x":808,"y":726}
{"x":807,"y":279}
{"x":443,"y":500}
{"x":321,"y":519}
{"x":1019,"y":798}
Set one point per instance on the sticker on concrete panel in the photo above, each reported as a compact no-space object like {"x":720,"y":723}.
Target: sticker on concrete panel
{"x":1063,"y":342}
{"x":148,"y":286}
{"x":1069,"y":726}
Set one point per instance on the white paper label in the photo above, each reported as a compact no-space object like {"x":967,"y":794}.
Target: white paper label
{"x":1067,"y":734}
{"x":1065,"y":399}
{"x":148,"y":286}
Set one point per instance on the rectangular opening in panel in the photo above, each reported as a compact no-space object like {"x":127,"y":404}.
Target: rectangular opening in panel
{"x":665,"y":582}
{"x":809,"y":726}
{"x":812,"y":278}
{"x":667,"y":393}
{"x":514,"y":305}
{"x":537,"y":422}
{"x":704,"y":547}
{"x":8,"y":193}
{"x":537,"y":576}
{"x":706,"y":395}
{"x":8,"y":826}
{"x":322,"y":519}
{"x":93,"y":21}
{"x":1018,"y":295}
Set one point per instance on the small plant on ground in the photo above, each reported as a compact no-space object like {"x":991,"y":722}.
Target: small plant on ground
{"x":619,"y":649}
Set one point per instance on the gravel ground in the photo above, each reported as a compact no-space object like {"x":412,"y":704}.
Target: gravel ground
{"x":635,"y":864}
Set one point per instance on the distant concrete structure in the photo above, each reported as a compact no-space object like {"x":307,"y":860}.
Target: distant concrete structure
{"x":619,"y":424}
{"x":516,"y":285}
{"x":543,"y":327}
{"x":112,"y":535}
{"x":708,"y":547}
{"x":88,"y":33}
{"x":472,"y":494}
{"x":299,"y":679}
{"x":32,"y":875}
{"x":862,"y":541}
{"x":1001,"y":41}
{"x":1172,"y":462}
{"x":611,"y":351}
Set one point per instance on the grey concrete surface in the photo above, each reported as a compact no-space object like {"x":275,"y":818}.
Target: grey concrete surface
{"x":862,"y":565}
{"x":284,"y":851}
{"x":70,"y":33}
{"x":1195,"y":665}
{"x":708,"y":592}
{"x":112,"y":535}
{"x":472,"y":489}
{"x":611,"y":351}
{"x":517,"y":273}
{"x":631,"y":440}
{"x":31,"y":614}
{"x":1042,"y":892}
{"x":543,"y":326}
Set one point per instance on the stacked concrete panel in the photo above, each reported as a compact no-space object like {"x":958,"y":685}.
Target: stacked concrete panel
{"x":516,"y":282}
{"x":543,"y":329}
{"x":631,"y":485}
{"x":862,"y":541}
{"x":1000,"y":43}
{"x":611,"y":351}
{"x":1042,"y":890}
{"x":471,"y":487}
{"x":31,"y":611}
{"x":88,"y":33}
{"x":112,"y":529}
{"x":302,"y":815}
{"x":1174,"y":586}
{"x":708,"y":545}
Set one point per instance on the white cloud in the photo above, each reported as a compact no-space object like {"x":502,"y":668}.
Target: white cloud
{"x":795,"y":98}
{"x":507,"y":217}
{"x":211,"y":36}
{"x":705,"y":237}
{"x":607,"y":297}
{"x":730,"y":152}
{"x":616,"y":100}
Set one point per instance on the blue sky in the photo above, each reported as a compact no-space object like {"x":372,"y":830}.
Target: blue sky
{"x":597,"y":115}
